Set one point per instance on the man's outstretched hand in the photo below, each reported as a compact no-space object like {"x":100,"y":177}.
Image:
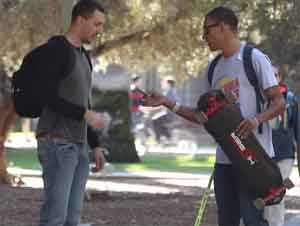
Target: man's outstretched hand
{"x":154,"y":99}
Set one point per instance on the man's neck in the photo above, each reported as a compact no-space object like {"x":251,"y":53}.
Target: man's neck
{"x":231,"y":47}
{"x":73,"y":39}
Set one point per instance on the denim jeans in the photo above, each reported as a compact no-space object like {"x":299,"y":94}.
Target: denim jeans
{"x":233,"y":204}
{"x":65,"y":171}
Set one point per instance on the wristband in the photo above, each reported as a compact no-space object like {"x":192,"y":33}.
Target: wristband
{"x":176,"y":107}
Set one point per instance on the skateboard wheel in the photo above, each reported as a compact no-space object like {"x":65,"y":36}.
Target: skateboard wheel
{"x":288,"y":183}
{"x":259,"y":203}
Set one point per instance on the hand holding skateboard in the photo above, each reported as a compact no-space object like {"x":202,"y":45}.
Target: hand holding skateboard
{"x":246,"y":127}
{"x":258,"y":174}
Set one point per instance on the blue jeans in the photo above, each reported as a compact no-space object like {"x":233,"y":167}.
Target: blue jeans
{"x":233,"y":204}
{"x":65,"y":171}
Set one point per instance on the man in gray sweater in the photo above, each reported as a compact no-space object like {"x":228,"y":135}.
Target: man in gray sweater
{"x":66,"y":124}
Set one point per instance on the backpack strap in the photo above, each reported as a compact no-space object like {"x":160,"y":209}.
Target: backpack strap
{"x":86,"y":53}
{"x":63,"y":45}
{"x":252,"y":78}
{"x":60,"y":43}
{"x":211,"y":68}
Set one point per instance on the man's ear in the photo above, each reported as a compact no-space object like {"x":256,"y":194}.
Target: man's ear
{"x":226,"y":27}
{"x":80,"y":20}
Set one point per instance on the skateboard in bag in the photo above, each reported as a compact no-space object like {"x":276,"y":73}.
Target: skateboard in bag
{"x":258,"y":174}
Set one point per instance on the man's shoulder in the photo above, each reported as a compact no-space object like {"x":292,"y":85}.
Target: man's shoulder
{"x":258,"y":55}
{"x":58,"y":44}
{"x":60,"y":50}
{"x":260,"y":59}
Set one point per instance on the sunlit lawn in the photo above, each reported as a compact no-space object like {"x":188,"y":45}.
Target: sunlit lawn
{"x":27,"y":159}
{"x":173,"y":163}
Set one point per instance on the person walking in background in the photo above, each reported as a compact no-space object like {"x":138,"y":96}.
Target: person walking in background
{"x":136,"y":98}
{"x":220,"y":31}
{"x":162,"y":119}
{"x":284,"y":129}
{"x":169,"y":89}
{"x":66,"y":122}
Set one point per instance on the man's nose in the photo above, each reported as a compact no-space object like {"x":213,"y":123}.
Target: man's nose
{"x":101,"y":29}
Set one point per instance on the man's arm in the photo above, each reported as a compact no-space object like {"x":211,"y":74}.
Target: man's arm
{"x":268,"y":83}
{"x":276,"y":106}
{"x":55,"y":67}
{"x":93,"y":141}
{"x":66,"y":108}
{"x":185,"y":112}
{"x":155,"y":99}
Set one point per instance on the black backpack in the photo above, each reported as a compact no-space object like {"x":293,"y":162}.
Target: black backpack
{"x":29,"y":93}
{"x":250,"y":72}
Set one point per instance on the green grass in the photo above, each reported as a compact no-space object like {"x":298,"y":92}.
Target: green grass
{"x":171,"y":163}
{"x":26,"y":159}
{"x":174,"y":163}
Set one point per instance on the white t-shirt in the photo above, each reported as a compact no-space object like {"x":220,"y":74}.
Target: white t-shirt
{"x":229,"y":75}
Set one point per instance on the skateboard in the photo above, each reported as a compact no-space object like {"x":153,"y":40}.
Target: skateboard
{"x":257,"y":173}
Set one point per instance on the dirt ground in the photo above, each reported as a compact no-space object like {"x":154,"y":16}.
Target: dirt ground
{"x":20,"y":207}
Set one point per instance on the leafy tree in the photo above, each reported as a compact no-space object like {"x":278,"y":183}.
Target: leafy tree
{"x":120,"y":140}
{"x":164,"y":32}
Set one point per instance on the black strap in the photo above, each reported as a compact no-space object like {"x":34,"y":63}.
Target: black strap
{"x":211,"y":68}
{"x":252,"y":78}
{"x":86,"y":53}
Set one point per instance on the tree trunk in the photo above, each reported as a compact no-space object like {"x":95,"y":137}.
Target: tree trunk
{"x":65,"y":13}
{"x":7,"y":118}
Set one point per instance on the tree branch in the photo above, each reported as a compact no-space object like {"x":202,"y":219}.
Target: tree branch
{"x":137,"y":36}
{"x":8,"y":4}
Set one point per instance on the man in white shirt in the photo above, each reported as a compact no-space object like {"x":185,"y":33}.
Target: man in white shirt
{"x":221,"y":33}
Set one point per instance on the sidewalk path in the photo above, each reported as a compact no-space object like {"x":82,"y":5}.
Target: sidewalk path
{"x":294,"y":221}
{"x":107,"y":179}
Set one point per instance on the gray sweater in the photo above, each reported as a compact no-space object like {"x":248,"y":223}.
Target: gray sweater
{"x":74,"y":88}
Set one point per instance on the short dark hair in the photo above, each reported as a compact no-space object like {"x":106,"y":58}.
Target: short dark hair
{"x":86,"y":8}
{"x":171,"y":82}
{"x":225,"y":15}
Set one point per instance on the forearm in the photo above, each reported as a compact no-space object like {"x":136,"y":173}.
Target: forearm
{"x":55,"y":102}
{"x":185,"y":112}
{"x":92,"y":137}
{"x":275,"y":108}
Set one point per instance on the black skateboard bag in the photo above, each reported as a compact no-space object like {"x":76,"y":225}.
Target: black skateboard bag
{"x":257,"y":172}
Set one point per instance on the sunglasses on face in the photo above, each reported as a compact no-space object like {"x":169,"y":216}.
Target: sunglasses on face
{"x":206,"y":28}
